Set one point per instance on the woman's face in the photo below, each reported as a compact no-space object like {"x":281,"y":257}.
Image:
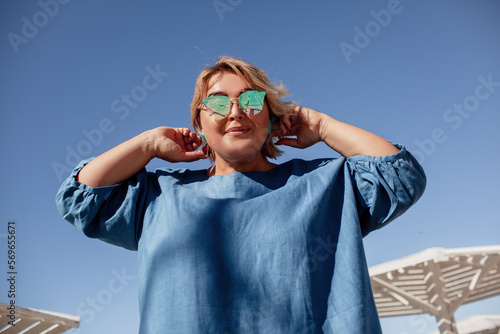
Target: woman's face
{"x":238,"y":137}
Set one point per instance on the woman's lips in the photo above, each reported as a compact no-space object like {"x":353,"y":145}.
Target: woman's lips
{"x":237,"y":131}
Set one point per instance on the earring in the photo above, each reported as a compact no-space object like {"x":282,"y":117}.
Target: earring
{"x":270,"y":127}
{"x":202,"y":136}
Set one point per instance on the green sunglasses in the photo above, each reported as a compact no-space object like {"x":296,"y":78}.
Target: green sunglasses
{"x":251,"y":103}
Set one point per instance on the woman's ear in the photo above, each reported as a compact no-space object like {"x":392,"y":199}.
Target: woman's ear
{"x":274,"y":119}
{"x":198,"y":122}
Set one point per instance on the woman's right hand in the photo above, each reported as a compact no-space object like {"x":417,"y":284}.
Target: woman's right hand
{"x":177,"y":144}
{"x":126,"y":159}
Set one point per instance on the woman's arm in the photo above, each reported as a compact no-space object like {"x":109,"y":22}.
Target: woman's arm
{"x":310,"y":127}
{"x":126,"y":159}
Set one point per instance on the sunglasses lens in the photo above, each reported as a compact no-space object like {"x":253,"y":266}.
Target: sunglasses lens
{"x":217,"y":106}
{"x":252,"y":102}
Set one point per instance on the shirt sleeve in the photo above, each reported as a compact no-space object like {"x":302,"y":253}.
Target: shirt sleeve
{"x":113,"y":213}
{"x":385,"y":186}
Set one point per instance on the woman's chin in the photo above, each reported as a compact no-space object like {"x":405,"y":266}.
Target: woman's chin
{"x":239,"y":151}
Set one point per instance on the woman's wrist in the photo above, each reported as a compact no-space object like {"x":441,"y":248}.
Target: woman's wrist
{"x":325,"y":125}
{"x":349,"y":140}
{"x":149,"y":143}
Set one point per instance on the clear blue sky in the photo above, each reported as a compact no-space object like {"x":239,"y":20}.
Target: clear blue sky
{"x":417,"y":77}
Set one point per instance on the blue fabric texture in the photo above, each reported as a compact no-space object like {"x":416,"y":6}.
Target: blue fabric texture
{"x":257,"y":252}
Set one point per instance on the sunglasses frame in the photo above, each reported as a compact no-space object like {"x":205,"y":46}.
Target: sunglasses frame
{"x":220,"y":116}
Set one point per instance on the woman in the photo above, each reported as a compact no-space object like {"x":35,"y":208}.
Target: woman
{"x":247,"y":246}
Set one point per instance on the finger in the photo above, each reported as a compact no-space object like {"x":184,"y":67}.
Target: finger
{"x":189,"y":147}
{"x":195,"y":142}
{"x":276,"y":133}
{"x":189,"y":144}
{"x":186,"y":137}
{"x":284,"y":125}
{"x":198,"y":140}
{"x":294,"y":119}
{"x":193,"y":156}
{"x":295,"y":116}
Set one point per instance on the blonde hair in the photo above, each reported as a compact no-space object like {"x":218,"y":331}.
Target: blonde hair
{"x":258,"y":80}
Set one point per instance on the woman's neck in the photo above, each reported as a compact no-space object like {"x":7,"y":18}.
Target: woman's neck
{"x":224,"y":167}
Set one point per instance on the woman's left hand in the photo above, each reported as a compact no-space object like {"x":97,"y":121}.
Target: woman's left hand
{"x":309,"y":127}
{"x":302,"y":123}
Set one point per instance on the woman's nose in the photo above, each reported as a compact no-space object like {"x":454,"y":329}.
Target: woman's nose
{"x":235,"y":111}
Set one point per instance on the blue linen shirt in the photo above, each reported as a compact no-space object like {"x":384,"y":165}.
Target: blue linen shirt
{"x":258,"y":252}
